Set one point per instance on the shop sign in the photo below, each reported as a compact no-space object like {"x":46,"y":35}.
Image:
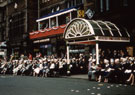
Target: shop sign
{"x":45,"y":46}
{"x":53,"y":40}
{"x":42,"y":40}
{"x":36,"y":50}
{"x":81,"y":13}
{"x":2,"y":53}
{"x":77,"y":51}
{"x":89,"y":13}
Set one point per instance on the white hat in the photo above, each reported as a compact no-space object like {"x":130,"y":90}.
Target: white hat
{"x":112,"y":60}
{"x":117,"y":60}
{"x":123,"y":59}
{"x":131,"y":58}
{"x":93,"y":60}
{"x":106,"y":61}
{"x":25,"y":61}
{"x":90,"y":53}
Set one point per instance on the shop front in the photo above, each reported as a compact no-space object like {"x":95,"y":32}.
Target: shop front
{"x":95,"y":36}
{"x":49,"y":46}
{"x":48,"y":39}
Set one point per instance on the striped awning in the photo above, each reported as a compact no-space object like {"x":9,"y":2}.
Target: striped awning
{"x":58,"y":13}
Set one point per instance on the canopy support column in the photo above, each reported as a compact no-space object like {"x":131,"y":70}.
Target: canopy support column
{"x":68,"y":62}
{"x":97,"y":53}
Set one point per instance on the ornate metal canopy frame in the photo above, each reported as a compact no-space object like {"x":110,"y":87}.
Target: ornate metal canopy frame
{"x":82,"y":31}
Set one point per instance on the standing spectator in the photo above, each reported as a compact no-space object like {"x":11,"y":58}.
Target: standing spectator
{"x":30,"y":56}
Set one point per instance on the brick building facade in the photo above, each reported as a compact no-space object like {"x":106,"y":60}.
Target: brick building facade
{"x":21,"y":16}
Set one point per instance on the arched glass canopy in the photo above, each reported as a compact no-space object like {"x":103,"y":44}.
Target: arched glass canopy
{"x":82,"y":31}
{"x":95,"y":30}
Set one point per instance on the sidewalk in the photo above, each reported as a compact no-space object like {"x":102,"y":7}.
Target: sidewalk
{"x":80,"y":76}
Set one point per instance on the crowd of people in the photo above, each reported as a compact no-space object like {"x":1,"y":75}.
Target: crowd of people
{"x":44,"y":66}
{"x":38,"y":66}
{"x":117,"y":68}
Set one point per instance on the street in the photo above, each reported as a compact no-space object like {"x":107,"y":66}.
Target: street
{"x":26,"y":85}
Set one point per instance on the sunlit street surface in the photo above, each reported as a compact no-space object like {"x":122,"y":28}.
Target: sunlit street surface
{"x":26,"y":85}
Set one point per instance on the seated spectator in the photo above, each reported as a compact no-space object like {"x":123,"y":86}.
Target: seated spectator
{"x":131,"y":70}
{"x":92,"y":70}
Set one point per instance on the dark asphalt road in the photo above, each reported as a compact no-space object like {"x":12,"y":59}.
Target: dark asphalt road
{"x":25,"y":85}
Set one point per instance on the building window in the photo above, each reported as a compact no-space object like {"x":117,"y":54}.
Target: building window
{"x":58,"y":8}
{"x":75,"y":2}
{"x":67,"y":17}
{"x":44,"y":24}
{"x":53,"y":22}
{"x":0,"y":17}
{"x":125,"y":3}
{"x":68,"y":4}
{"x":44,"y":1}
{"x":107,"y":5}
{"x":1,"y":0}
{"x":79,"y":2}
{"x":72,"y":3}
{"x":104,"y":5}
{"x":53,"y":10}
{"x":10,"y":1}
{"x":101,"y":5}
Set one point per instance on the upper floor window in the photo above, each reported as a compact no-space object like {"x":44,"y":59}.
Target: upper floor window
{"x":1,"y":0}
{"x":107,"y":5}
{"x":104,"y":5}
{"x":54,"y":9}
{"x":67,"y":17}
{"x":101,"y":5}
{"x":44,"y":24}
{"x":0,"y":17}
{"x":53,"y":22}
{"x":72,"y":3}
{"x":10,"y":1}
{"x":125,"y":3}
{"x":44,"y":1}
{"x":79,"y":2}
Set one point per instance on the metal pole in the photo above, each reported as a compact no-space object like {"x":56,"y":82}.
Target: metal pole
{"x":49,"y":22}
{"x":57,"y":22}
{"x":70,"y":16}
{"x":97,"y":53}
{"x":38,"y":25}
{"x":68,"y":62}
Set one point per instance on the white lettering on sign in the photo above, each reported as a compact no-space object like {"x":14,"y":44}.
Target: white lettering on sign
{"x":2,"y":53}
{"x":42,"y":40}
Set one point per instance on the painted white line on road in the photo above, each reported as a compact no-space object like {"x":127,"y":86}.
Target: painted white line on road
{"x":98,"y":88}
{"x":125,"y":85}
{"x":92,"y":93}
{"x":112,"y":85}
{"x":120,"y":84}
{"x":108,"y":87}
{"x":77,"y":91}
{"x":72,"y":90}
